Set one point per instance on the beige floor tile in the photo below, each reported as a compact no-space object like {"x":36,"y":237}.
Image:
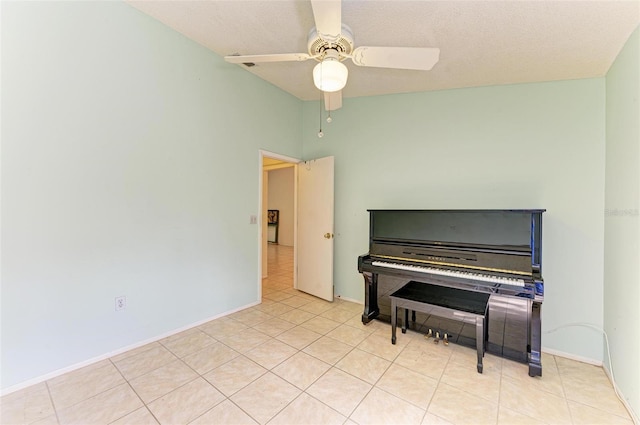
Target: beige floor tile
{"x":134,"y":351}
{"x":320,"y":325}
{"x":408,"y":385}
{"x":251,"y":317}
{"x":382,"y":346}
{"x":307,"y":410}
{"x":549,"y":381}
{"x":301,"y":370}
{"x":162,"y":381}
{"x":352,"y":307}
{"x":338,"y":314}
{"x":555,"y":411}
{"x":265,"y":397}
{"x":179,"y":335}
{"x":587,"y":415}
{"x":316,"y":307}
{"x":274,"y":327}
{"x":49,"y":420}
{"x":210,"y":357}
{"x":103,"y":408}
{"x":424,"y":357}
{"x":469,"y":356}
{"x":189,"y":343}
{"x":363,"y":365}
{"x":349,"y":335}
{"x":297,"y":316}
{"x":271,"y":353}
{"x":339,"y":390}
{"x":186,"y":403}
{"x":380,"y":407}
{"x":246,"y":340}
{"x":225,"y":413}
{"x":223,"y":327}
{"x":79,"y":385}
{"x":431,"y":419}
{"x":142,"y":416}
{"x":356,"y":322}
{"x":465,"y":377}
{"x":275,"y":308}
{"x":460,"y":407}
{"x":235,"y":375}
{"x":278,"y":296}
{"x":328,"y":350}
{"x":144,"y":362}
{"x":296,"y":301}
{"x":26,"y":406}
{"x":298,"y":337}
{"x":509,"y":417}
{"x":589,"y":385}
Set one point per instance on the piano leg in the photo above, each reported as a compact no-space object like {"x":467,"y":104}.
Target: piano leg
{"x":535,"y":363}
{"x":371,"y":309}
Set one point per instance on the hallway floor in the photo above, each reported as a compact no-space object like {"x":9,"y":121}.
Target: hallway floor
{"x":295,"y":359}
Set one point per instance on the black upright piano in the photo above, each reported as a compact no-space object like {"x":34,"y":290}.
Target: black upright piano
{"x":492,"y":251}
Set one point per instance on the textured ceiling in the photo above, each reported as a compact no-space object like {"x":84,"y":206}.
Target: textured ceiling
{"x":481,"y":42}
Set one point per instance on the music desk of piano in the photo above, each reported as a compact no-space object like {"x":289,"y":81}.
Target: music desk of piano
{"x":493,"y":252}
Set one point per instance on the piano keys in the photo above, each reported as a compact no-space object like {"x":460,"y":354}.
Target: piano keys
{"x":497,"y":252}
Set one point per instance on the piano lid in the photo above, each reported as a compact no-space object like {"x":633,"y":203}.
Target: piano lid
{"x":502,"y":229}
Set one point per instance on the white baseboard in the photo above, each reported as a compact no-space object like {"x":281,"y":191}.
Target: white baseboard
{"x":350,"y":299}
{"x":572,"y":356}
{"x":110,"y":354}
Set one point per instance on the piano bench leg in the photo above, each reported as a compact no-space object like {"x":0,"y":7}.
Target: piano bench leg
{"x":480,"y":341}
{"x":405,"y":321}
{"x":394,"y":320}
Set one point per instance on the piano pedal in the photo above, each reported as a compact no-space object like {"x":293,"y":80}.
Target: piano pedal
{"x":437,"y":338}
{"x":446,"y":339}
{"x":429,"y":334}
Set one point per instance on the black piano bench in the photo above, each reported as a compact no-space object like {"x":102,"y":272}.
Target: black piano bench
{"x":451,"y":303}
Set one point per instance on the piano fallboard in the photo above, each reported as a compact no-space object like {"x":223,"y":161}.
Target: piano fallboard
{"x":366,"y":264}
{"x":491,"y":261}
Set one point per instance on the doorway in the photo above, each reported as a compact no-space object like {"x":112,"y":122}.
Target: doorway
{"x":277,"y":218}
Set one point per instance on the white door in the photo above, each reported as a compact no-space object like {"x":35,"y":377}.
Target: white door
{"x":314,"y":241}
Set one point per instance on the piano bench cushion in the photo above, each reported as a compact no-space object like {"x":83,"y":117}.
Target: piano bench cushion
{"x":442,"y":296}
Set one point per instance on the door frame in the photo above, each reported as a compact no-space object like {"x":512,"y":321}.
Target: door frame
{"x":295,"y":161}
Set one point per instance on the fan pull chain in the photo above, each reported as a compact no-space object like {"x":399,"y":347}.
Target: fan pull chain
{"x":320,"y":133}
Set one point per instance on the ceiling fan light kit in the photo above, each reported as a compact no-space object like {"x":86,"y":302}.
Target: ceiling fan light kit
{"x":330,"y":75}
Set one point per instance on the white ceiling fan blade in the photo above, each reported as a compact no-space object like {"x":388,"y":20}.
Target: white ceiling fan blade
{"x":283,"y":57}
{"x":420,"y":58}
{"x":328,"y":17}
{"x":332,"y":100}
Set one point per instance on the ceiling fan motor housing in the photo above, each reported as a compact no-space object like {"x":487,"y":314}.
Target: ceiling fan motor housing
{"x":343,"y":44}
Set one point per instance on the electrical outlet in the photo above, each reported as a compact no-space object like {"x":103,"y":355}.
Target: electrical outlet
{"x":253,"y":219}
{"x":121,"y":303}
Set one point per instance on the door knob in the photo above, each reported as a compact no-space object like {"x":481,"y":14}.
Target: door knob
{"x":328,"y":235}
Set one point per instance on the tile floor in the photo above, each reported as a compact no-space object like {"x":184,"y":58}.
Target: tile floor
{"x":297,"y":360}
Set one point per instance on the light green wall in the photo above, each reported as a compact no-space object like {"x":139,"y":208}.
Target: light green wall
{"x":622,"y":227}
{"x":130,"y":160}
{"x":520,"y":146}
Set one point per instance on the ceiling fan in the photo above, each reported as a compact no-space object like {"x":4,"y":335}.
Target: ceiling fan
{"x":331,"y":42}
